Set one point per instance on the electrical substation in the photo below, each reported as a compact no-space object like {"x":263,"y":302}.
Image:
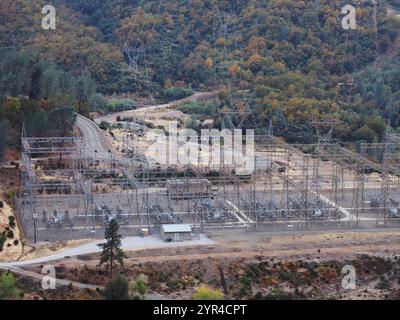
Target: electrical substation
{"x":68,"y":195}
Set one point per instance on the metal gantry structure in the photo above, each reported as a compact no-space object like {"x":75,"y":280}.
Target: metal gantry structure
{"x":66,"y":195}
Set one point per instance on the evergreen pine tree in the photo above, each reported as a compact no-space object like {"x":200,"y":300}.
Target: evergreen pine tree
{"x":112,"y":253}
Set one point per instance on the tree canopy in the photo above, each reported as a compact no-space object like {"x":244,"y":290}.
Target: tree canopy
{"x":286,"y":63}
{"x":112,"y":253}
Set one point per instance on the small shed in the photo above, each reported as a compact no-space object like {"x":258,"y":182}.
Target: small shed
{"x":176,"y":232}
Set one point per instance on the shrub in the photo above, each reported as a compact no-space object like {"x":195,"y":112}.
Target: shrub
{"x":117,"y":288}
{"x":246,"y":286}
{"x":176,"y":93}
{"x":209,"y":108}
{"x":10,"y":234}
{"x":254,"y":271}
{"x":205,"y":293}
{"x":116,"y":105}
{"x":193,"y":123}
{"x":104,"y":125}
{"x":3,"y":239}
{"x":138,"y":287}
{"x":174,"y":285}
{"x":150,"y":125}
{"x":16,"y":242}
{"x":11,"y":221}
{"x":8,"y":287}
{"x":1,"y":205}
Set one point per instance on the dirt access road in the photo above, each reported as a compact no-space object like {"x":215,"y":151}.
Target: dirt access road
{"x":98,"y":144}
{"x":197,"y":97}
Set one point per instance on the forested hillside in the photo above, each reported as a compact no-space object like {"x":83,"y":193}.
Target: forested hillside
{"x":282,"y":62}
{"x":73,"y":45}
{"x":285,"y":62}
{"x":45,"y":77}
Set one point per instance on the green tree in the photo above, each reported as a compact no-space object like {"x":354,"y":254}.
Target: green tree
{"x":85,"y":91}
{"x":364,"y":133}
{"x":8,"y":287}
{"x":10,"y":110}
{"x":205,"y":293}
{"x":4,"y":136}
{"x":63,"y":120}
{"x":49,"y":82}
{"x":112,"y":253}
{"x":37,"y":124}
{"x":117,"y":288}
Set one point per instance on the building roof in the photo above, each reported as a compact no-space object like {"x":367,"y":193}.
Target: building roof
{"x":176,"y":228}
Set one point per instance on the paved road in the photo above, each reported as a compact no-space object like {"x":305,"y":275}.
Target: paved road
{"x":128,"y":243}
{"x":94,"y":138}
{"x":94,"y":145}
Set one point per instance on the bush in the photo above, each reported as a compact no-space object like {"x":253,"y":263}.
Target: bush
{"x":205,"y":293}
{"x":104,"y":125}
{"x":193,"y":123}
{"x":1,"y":205}
{"x":117,"y":105}
{"x":3,"y":239}
{"x":246,"y":286}
{"x":209,"y":108}
{"x":10,"y":234}
{"x":176,"y":93}
{"x":117,"y":289}
{"x":8,"y":287}
{"x":150,"y":125}
{"x":11,"y":221}
{"x":138,"y":288}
